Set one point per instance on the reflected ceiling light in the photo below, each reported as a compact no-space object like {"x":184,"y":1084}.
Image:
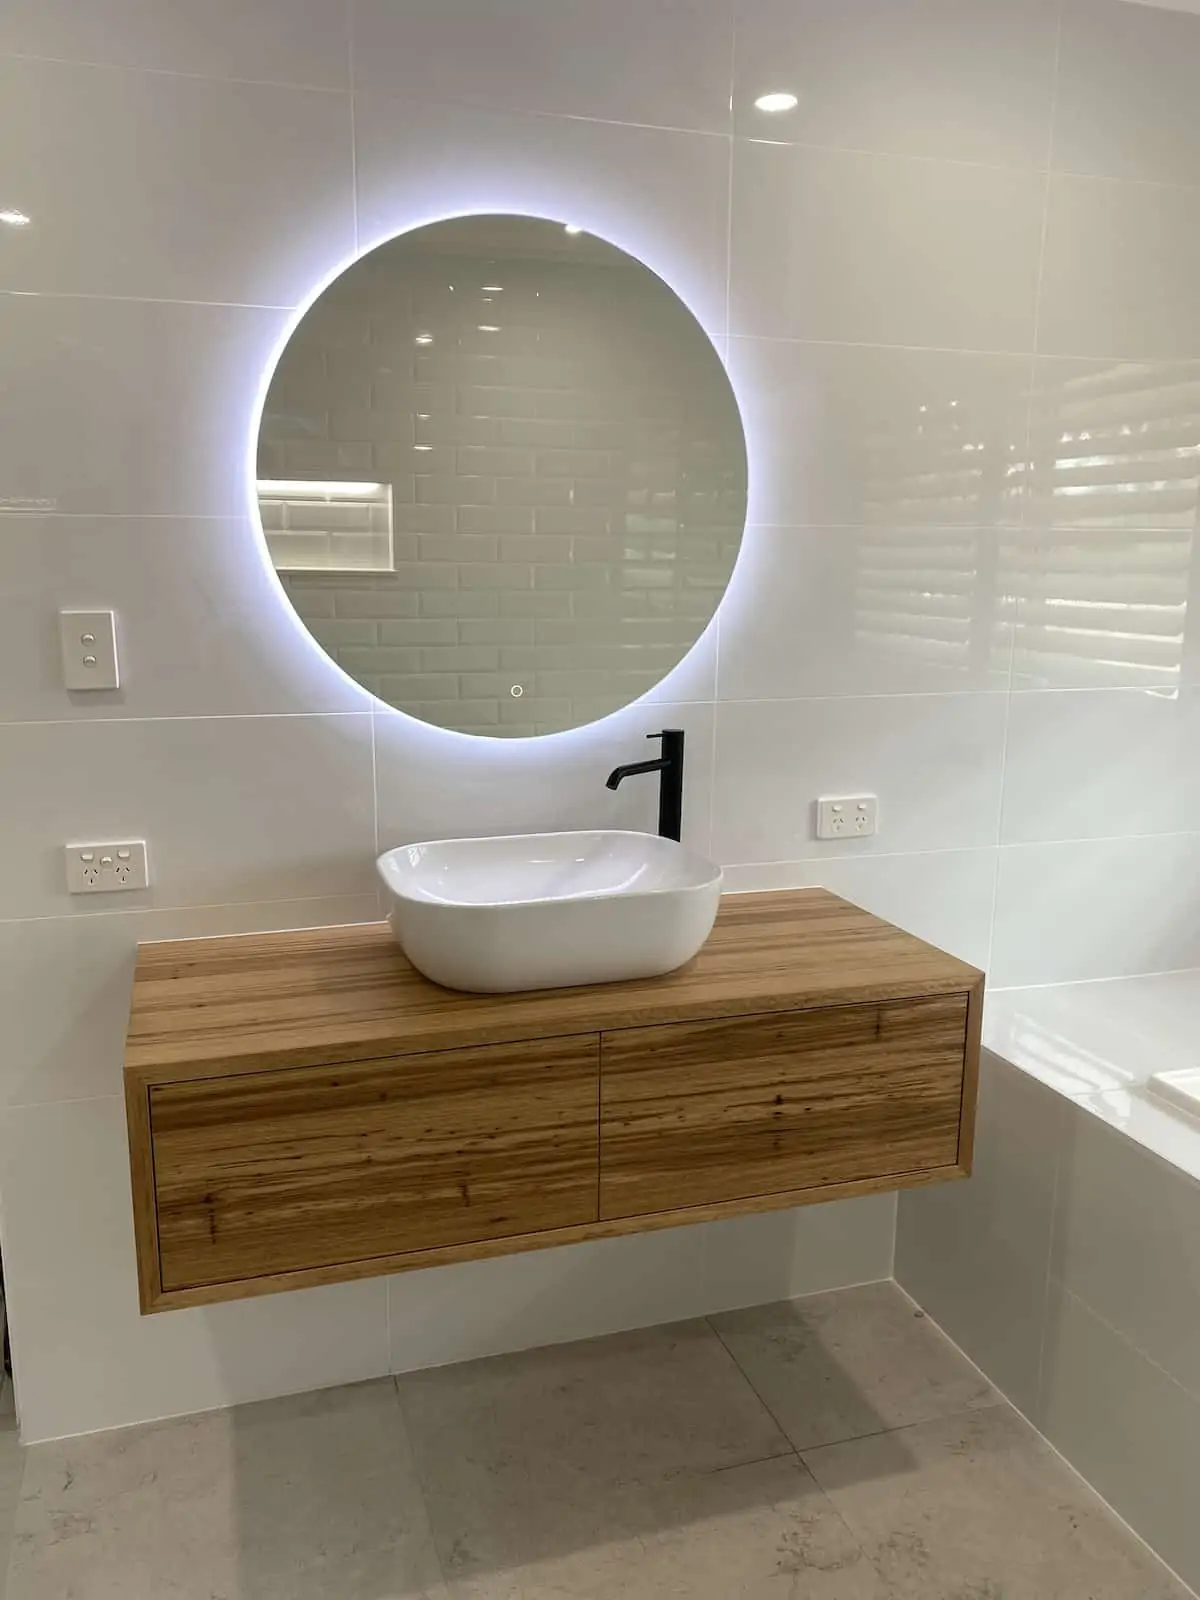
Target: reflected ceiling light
{"x":15,"y":219}
{"x":422,"y":447}
{"x":294,"y":488}
{"x":493,"y":288}
{"x":423,"y":338}
{"x":572,"y":228}
{"x":488,"y":327}
{"x":780,"y":100}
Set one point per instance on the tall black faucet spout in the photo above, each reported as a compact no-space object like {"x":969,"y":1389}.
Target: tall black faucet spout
{"x":670,"y":794}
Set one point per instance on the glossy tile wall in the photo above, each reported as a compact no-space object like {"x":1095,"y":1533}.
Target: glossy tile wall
{"x":955,"y":291}
{"x":1069,"y":1270}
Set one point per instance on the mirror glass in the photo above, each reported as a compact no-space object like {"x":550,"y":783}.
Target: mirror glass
{"x":502,"y":475}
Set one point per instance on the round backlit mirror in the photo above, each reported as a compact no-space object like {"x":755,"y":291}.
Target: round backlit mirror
{"x":502,"y":475}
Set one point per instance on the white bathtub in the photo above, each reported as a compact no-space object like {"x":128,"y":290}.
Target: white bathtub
{"x":1126,"y":1049}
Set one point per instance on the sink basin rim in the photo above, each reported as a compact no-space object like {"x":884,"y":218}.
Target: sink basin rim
{"x":702,"y":875}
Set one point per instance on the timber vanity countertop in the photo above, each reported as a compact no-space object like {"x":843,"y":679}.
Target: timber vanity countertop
{"x":254,"y":1002}
{"x":305,"y":1108}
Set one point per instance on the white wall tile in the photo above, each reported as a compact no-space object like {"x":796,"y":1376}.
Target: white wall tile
{"x":234,"y":809}
{"x":65,"y":986}
{"x":849,"y":611}
{"x":1101,"y":908}
{"x":835,"y":244}
{"x":206,"y":209}
{"x":1126,"y":96}
{"x":1130,"y":1430}
{"x":943,"y":896}
{"x":554,"y":55}
{"x":266,"y":41}
{"x":85,"y":1358}
{"x":1115,"y":445}
{"x":483,"y":1308}
{"x":1118,"y":278}
{"x":1105,"y":610}
{"x":436,"y":785}
{"x":1127,"y":1243}
{"x":751,"y":1261}
{"x":661,"y":196}
{"x":934,"y":761}
{"x":129,"y":407}
{"x":1099,"y":763}
{"x":975,"y":1254}
{"x":843,"y":434}
{"x":203,"y":627}
{"x":912,"y":77}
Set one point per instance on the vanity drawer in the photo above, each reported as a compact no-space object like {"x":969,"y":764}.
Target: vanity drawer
{"x":285,"y":1171}
{"x":695,"y":1114}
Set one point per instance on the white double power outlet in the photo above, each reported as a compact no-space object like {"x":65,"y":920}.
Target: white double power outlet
{"x":107,"y":868}
{"x":853,"y":816}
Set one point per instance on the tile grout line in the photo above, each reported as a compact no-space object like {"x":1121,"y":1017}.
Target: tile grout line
{"x":1134,"y":1349}
{"x":1043,"y":1332}
{"x":1015,"y":352}
{"x":716,"y":680}
{"x":348,"y":13}
{"x":750,"y":1384}
{"x":874,"y":1433}
{"x":1051,"y":1446}
{"x":418,"y":1478}
{"x":793,"y":1450}
{"x":172,"y":72}
{"x":1039,"y":294}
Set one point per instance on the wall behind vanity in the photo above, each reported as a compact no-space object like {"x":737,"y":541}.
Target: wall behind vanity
{"x":956,"y":290}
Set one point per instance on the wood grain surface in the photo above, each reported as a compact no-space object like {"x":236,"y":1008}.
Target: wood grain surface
{"x":305,"y":1108}
{"x":223,"y":1006}
{"x":547,"y":1239}
{"x":285,"y":1171}
{"x":699,"y":1113}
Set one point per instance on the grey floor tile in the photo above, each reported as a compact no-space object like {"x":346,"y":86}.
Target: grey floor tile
{"x":758,"y":1532}
{"x":12,"y":1468}
{"x":304,"y":1499}
{"x":979,"y":1506}
{"x":521,"y":1453}
{"x":854,"y":1362}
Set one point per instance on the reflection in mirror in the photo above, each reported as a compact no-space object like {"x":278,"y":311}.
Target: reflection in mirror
{"x":502,"y":475}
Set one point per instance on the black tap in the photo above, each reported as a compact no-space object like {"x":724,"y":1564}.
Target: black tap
{"x":670,"y":792}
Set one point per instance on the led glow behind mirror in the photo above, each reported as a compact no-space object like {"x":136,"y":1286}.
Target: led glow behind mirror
{"x":502,"y":475}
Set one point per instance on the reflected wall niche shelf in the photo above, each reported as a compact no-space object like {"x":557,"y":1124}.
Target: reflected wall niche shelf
{"x":305,"y":1108}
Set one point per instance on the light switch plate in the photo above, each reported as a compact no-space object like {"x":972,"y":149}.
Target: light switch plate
{"x":854,"y":816}
{"x":107,"y":868}
{"x":89,"y":649}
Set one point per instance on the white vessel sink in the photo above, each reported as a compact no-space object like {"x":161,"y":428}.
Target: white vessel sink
{"x":547,"y":910}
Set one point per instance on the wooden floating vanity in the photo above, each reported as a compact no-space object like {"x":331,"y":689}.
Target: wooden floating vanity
{"x":306,"y":1108}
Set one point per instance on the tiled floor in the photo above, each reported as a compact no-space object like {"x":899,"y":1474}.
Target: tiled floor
{"x":835,"y":1448}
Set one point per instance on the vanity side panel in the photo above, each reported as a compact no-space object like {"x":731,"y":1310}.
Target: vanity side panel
{"x":704,"y":1113}
{"x":141,"y":1180}
{"x":327,"y":1166}
{"x":966,"y":1129}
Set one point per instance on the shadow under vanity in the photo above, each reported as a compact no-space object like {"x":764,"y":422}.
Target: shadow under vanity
{"x":306,"y":1108}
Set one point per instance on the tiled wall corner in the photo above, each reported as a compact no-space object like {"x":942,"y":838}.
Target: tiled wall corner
{"x":1067,"y":1267}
